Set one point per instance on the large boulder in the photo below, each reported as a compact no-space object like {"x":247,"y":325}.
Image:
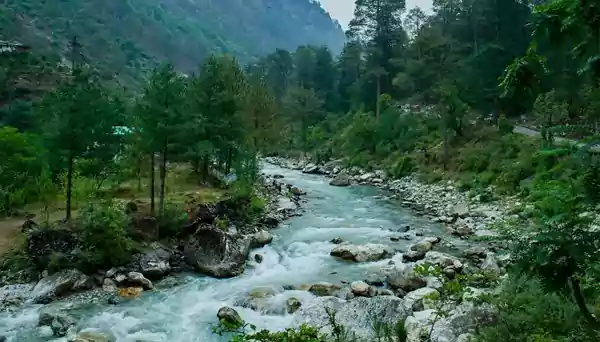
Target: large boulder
{"x":362,"y":289}
{"x":45,"y":243}
{"x":417,"y":299}
{"x":418,"y":326}
{"x":138,"y":279}
{"x":155,"y":262}
{"x":445,"y":261}
{"x":340,"y":180}
{"x":229,"y":317}
{"x":463,"y":319}
{"x":358,"y":315}
{"x":57,"y":285}
{"x":260,"y":239}
{"x":362,"y":253}
{"x":310,"y":168}
{"x":60,"y":322}
{"x":217,"y":253}
{"x":405,"y":279}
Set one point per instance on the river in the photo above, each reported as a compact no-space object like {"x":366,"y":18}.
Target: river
{"x":183,"y":309}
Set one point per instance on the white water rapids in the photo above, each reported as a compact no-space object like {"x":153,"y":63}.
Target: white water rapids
{"x":185,"y":310}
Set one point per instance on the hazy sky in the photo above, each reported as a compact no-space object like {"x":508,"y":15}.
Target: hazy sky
{"x":342,"y":10}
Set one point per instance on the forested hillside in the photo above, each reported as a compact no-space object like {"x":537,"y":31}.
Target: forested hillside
{"x":122,"y":37}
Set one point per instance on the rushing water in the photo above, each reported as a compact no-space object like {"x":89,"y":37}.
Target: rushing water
{"x":299,"y":254}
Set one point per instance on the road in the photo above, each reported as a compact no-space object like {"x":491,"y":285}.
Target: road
{"x":595,"y":147}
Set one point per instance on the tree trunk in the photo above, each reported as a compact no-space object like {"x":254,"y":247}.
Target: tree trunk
{"x":152,"y":171}
{"x":378,"y":103}
{"x":139,"y":173}
{"x":578,"y":295}
{"x":205,"y":168}
{"x":228,"y":162}
{"x":163,"y":176}
{"x":445,"y":138}
{"x":69,"y":187}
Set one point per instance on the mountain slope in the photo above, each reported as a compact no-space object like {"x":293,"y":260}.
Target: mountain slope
{"x":124,"y":36}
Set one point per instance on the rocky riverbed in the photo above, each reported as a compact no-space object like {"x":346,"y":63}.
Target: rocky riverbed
{"x":354,"y":250}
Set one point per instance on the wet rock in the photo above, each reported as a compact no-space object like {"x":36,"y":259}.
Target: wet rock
{"x":292,"y":305}
{"x":297,"y":191}
{"x":44,"y":332}
{"x":417,"y":299}
{"x":340,"y":180}
{"x":260,"y":239}
{"x":362,"y":289}
{"x":138,"y":279}
{"x":355,"y":314}
{"x":404,"y":229}
{"x":337,"y":240}
{"x":58,"y":321}
{"x":422,"y":246}
{"x":277,"y":176}
{"x":154,"y":263}
{"x":310,"y":168}
{"x":217,"y":253}
{"x":362,"y":253}
{"x":58,"y":285}
{"x":323,"y":289}
{"x":229,"y":317}
{"x":109,"y":285}
{"x":460,"y":210}
{"x":474,"y":253}
{"x":258,"y":258}
{"x":411,"y":256}
{"x":114,"y":300}
{"x":15,"y":294}
{"x":286,"y":206}
{"x":92,"y":337}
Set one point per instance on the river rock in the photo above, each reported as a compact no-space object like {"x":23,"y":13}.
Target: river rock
{"x":229,"y":317}
{"x":14,"y":294}
{"x":442,"y":260}
{"x":310,"y":168}
{"x":337,"y":240}
{"x":58,"y":285}
{"x":155,"y":262}
{"x":258,"y":258}
{"x":108,"y":285}
{"x":362,"y":253}
{"x":422,"y":246}
{"x":92,"y":337}
{"x":416,"y":299}
{"x":260,"y":239}
{"x":323,"y":289}
{"x":490,"y":264}
{"x":217,"y":253}
{"x":362,"y":289}
{"x":357,"y":314}
{"x":138,"y":279}
{"x":418,"y":325}
{"x":405,"y":279}
{"x":460,"y":210}
{"x":58,"y":321}
{"x":286,"y":206}
{"x":463,"y":319}
{"x":340,"y":180}
{"x":475,"y":253}
{"x":292,"y":305}
{"x":297,"y":191}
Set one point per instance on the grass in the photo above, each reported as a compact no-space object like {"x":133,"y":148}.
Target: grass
{"x":182,"y":187}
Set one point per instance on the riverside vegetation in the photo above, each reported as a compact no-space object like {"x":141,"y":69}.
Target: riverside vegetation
{"x":405,"y":97}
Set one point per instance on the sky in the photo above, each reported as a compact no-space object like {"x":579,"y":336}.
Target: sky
{"x":342,"y":10}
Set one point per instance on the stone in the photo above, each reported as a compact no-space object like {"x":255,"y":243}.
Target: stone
{"x":59,"y":322}
{"x":418,"y":326}
{"x":114,"y":300}
{"x":292,"y":305}
{"x":217,"y":253}
{"x":323,"y":289}
{"x":297,"y":191}
{"x":57,"y":285}
{"x":422,"y":246}
{"x":229,"y":317}
{"x":355,"y":314}
{"x":154,"y":263}
{"x":476,"y":252}
{"x":441,"y":259}
{"x":262,"y":292}
{"x":362,"y":289}
{"x":490,"y":264}
{"x":45,"y":332}
{"x":138,"y":279}
{"x":416,"y":299}
{"x":404,"y":229}
{"x":130,"y":292}
{"x":108,"y":285}
{"x":460,"y":210}
{"x":340,"y":180}
{"x":411,"y":256}
{"x":405,"y":279}
{"x":310,"y":168}
{"x":385,"y":292}
{"x":337,"y":240}
{"x":260,"y":239}
{"x":258,"y":258}
{"x":111,"y":273}
{"x":120,"y":278}
{"x":362,"y":253}
{"x":92,"y":337}
{"x":486,"y":234}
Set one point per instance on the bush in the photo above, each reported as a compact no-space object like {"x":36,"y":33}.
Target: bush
{"x":171,"y":219}
{"x":104,"y":240}
{"x":526,"y":313}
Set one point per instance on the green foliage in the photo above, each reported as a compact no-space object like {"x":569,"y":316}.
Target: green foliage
{"x":526,"y":312}
{"x":23,"y":172}
{"x":105,"y":243}
{"x":171,"y":219}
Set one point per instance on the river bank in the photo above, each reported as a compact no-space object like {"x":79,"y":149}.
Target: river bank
{"x":305,"y":265}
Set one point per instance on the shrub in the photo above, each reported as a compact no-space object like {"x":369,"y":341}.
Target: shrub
{"x":171,"y":219}
{"x":526,"y":313}
{"x":104,"y":239}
